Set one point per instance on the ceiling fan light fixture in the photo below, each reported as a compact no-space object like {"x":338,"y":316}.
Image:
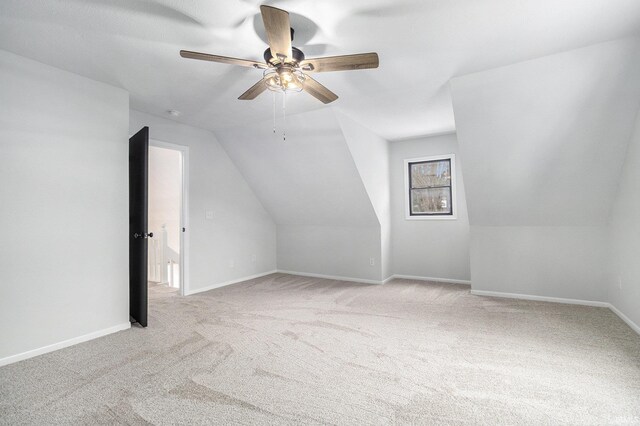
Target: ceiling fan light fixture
{"x":284,"y":79}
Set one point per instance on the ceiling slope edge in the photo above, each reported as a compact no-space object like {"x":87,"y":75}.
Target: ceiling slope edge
{"x":370,"y":155}
{"x":307,"y":178}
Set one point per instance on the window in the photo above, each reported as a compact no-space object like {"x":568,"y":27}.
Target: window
{"x":430,"y":187}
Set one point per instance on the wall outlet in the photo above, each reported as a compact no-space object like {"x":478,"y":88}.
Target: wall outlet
{"x":232,"y":263}
{"x":254,"y":258}
{"x":208,"y":214}
{"x":372,"y":261}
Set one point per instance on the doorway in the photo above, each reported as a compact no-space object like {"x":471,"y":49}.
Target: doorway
{"x":167,"y":216}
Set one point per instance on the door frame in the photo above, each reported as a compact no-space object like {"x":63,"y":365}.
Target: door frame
{"x":184,"y":211}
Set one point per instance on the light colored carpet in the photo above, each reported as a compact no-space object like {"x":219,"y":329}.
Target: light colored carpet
{"x":292,"y":350}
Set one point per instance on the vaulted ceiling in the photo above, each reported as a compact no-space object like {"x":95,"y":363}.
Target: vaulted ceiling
{"x":309,"y":179}
{"x":543,"y":142}
{"x":422,"y":44}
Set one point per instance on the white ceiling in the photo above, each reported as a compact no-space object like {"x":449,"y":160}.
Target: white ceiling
{"x":134,"y":44}
{"x":543,"y":142}
{"x":309,"y":179}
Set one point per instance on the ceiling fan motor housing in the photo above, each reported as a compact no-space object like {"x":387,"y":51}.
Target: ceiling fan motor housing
{"x":296,"y":53}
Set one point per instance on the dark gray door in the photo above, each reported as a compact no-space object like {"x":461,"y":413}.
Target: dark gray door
{"x":138,"y":200}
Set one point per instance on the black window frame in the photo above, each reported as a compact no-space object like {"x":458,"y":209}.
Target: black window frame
{"x":410,"y":187}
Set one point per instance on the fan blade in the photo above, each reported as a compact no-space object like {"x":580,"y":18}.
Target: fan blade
{"x":278,"y":28}
{"x":318,"y":91}
{"x":222,"y":59}
{"x":254,"y":91}
{"x":341,"y":63}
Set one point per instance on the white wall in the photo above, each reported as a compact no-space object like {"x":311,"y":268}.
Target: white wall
{"x":241,"y":227}
{"x":624,"y":284}
{"x":428,"y":248}
{"x":371,"y":156}
{"x":549,"y":261}
{"x":313,"y":190}
{"x":339,"y":251}
{"x":64,"y":209}
{"x":542,"y":143}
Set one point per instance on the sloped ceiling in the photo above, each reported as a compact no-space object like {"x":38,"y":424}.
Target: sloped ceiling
{"x":134,"y":44}
{"x":543,"y":141}
{"x":308,"y":179}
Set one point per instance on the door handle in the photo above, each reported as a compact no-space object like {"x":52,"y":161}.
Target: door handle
{"x":145,"y":235}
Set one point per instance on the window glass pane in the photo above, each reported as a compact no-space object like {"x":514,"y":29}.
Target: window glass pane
{"x":431,"y":173}
{"x":431,"y":201}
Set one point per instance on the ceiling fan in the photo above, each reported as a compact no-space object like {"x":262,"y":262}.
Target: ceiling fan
{"x":285,"y":67}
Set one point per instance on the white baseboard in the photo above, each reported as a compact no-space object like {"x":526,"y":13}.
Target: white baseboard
{"x":386,"y":280}
{"x":635,"y":327}
{"x":439,"y":280}
{"x":540,"y":298}
{"x":64,"y":344}
{"x":367,"y":281}
{"x":226,"y":283}
{"x":331,"y":277}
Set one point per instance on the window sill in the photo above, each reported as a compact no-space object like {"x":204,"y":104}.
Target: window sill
{"x":454,"y":217}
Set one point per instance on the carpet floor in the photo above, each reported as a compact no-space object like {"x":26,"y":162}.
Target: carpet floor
{"x":285,"y":349}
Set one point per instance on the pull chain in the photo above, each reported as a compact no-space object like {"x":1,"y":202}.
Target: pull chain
{"x":284,"y":116}
{"x":274,"y":112}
